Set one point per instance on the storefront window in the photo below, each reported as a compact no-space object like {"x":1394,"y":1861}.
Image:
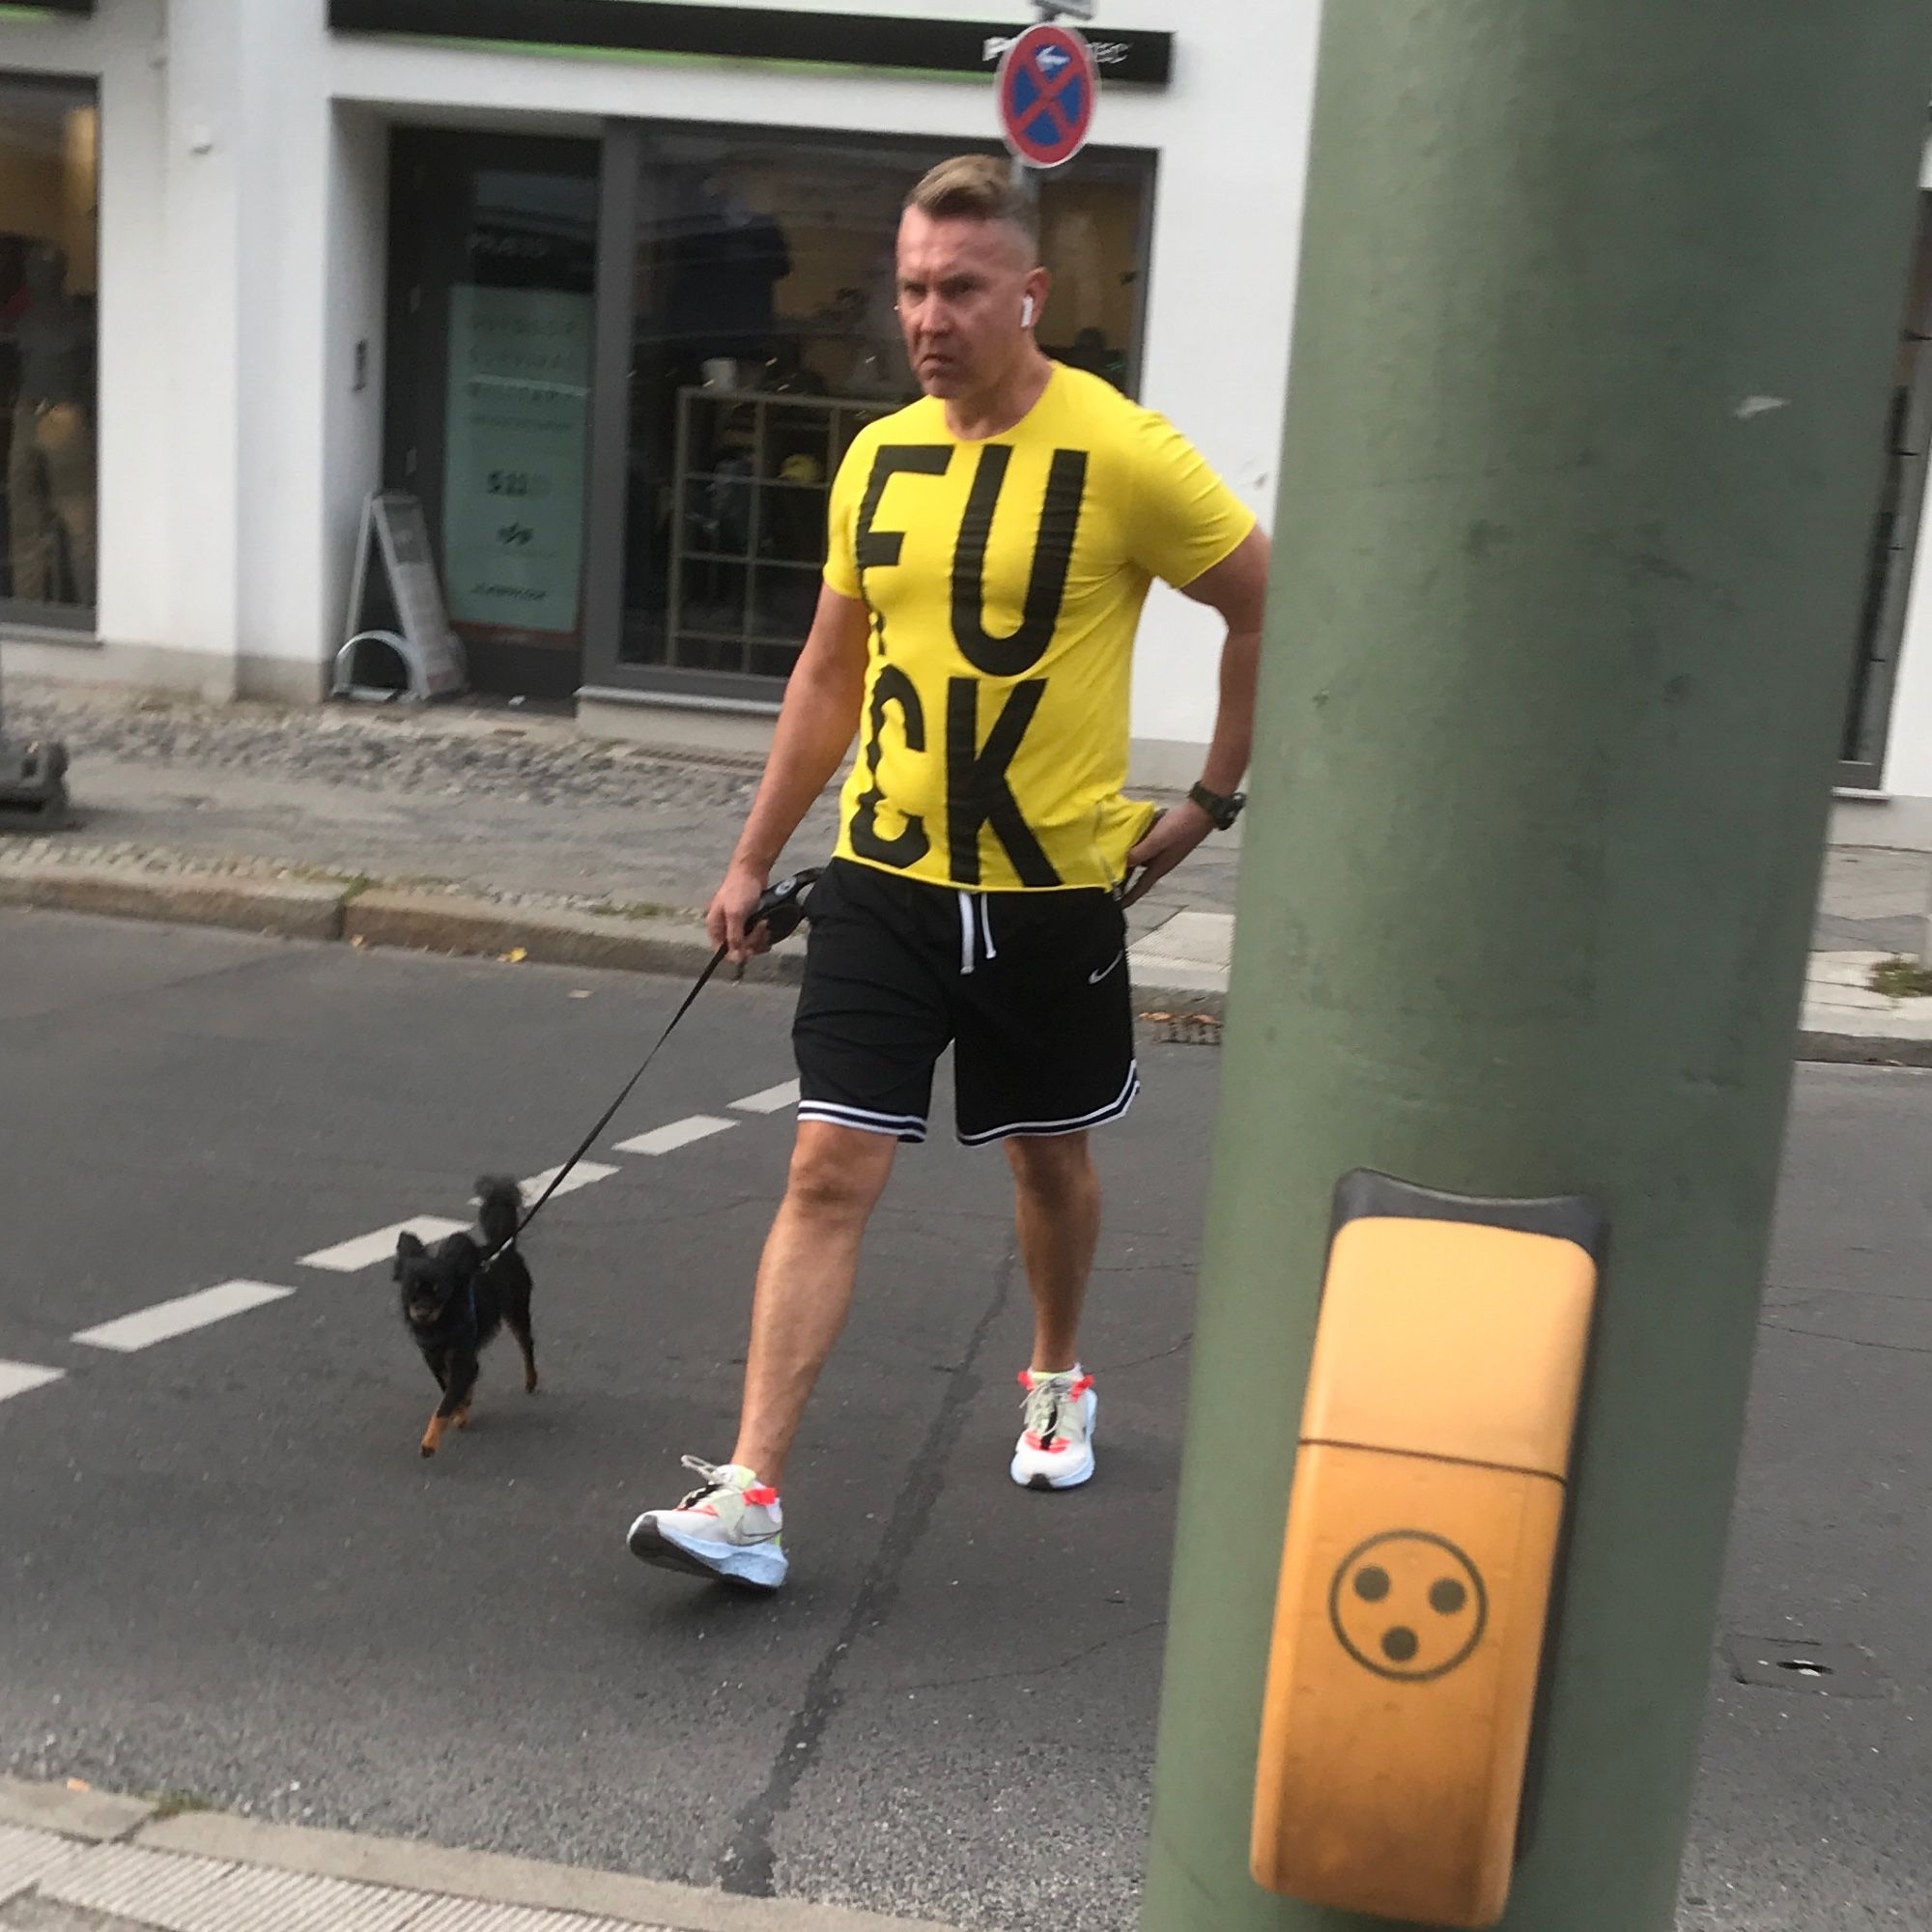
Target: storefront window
{"x":50,"y":261}
{"x":763,"y":338}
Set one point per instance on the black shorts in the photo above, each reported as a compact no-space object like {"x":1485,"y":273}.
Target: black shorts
{"x":1031,"y":988}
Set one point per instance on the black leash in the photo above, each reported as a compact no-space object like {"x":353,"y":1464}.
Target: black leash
{"x":780,"y":910}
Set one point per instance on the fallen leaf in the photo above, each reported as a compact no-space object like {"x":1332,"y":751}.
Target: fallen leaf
{"x":516,"y":955}
{"x":79,"y":1784}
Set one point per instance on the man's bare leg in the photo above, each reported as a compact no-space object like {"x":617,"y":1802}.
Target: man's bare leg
{"x":1058,"y":1208}
{"x":804,"y":1283}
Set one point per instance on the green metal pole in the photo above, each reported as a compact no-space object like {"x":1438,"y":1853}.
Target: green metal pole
{"x":1598,"y":306}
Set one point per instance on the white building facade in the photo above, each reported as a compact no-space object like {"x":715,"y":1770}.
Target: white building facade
{"x":605,"y":285}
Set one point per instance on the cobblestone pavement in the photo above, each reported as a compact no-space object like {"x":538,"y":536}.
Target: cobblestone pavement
{"x":518,"y":805}
{"x":508,"y":803}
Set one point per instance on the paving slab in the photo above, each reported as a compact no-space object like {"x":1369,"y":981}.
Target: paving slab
{"x":74,"y":1810}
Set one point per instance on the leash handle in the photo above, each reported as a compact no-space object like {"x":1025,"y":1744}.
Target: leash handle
{"x":781,"y":908}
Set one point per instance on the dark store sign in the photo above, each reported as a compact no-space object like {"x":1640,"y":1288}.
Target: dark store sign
{"x":743,"y":33}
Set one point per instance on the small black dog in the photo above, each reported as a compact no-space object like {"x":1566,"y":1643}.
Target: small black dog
{"x":454,"y":1304}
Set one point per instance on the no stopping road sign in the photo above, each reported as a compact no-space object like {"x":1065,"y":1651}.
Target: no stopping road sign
{"x":1048,"y":85}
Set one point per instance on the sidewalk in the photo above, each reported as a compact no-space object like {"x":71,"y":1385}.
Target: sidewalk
{"x":505,"y":831}
{"x":78,"y":1860}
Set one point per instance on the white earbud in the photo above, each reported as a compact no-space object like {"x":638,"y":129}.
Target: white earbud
{"x":1026,"y":312}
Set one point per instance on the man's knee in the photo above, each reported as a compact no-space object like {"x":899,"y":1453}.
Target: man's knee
{"x":1052,"y":1168}
{"x":838,"y":1173}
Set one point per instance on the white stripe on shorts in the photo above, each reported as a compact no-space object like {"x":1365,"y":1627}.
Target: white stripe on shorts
{"x":907,"y":1127}
{"x":1049,"y":1129}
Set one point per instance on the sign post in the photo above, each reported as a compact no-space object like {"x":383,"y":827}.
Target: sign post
{"x":1555,"y":654}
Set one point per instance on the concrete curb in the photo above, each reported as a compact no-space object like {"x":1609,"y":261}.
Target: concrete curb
{"x":453,"y":923}
{"x":1858,"y":1049}
{"x":491,"y":1878}
{"x":96,"y":1816}
{"x":283,"y":908}
{"x":450,"y":922}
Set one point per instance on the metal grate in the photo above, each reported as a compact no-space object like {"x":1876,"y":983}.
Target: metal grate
{"x":1802,"y":1664}
{"x":1184,"y":1029}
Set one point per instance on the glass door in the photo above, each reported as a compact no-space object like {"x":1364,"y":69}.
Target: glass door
{"x":491,"y":340}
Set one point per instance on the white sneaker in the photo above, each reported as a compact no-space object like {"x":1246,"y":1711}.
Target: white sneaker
{"x":729,"y":1527}
{"x":1056,"y":1447}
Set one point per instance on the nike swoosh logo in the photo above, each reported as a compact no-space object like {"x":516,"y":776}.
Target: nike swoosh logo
{"x":1095,"y":978}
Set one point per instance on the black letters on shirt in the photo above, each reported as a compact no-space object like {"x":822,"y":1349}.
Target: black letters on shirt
{"x":1053,"y":554}
{"x":979,"y":794}
{"x":877,"y":549}
{"x":891,"y":686}
{"x":977,"y":791}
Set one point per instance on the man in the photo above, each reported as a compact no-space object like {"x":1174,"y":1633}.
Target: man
{"x":990,"y":549}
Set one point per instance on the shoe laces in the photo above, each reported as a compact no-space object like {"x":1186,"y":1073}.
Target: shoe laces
{"x":711,"y":1472}
{"x":1045,"y":1400}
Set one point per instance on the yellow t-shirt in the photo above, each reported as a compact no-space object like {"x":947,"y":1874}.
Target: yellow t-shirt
{"x":1004,"y":581}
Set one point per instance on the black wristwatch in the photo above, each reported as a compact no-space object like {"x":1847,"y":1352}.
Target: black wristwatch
{"x":1222,"y":810}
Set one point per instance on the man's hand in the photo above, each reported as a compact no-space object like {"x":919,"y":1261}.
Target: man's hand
{"x":1169,"y":839}
{"x":737,"y":898}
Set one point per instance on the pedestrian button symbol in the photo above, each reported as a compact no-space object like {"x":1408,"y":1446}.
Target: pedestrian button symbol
{"x":1408,"y":1604}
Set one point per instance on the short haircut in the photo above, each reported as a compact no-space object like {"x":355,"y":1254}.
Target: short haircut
{"x":979,"y":187}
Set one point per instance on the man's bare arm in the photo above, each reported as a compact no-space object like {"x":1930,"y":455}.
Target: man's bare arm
{"x":1238,"y":588}
{"x":815,"y":726}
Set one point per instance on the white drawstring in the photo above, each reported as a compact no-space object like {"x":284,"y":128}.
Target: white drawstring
{"x":972,"y":937}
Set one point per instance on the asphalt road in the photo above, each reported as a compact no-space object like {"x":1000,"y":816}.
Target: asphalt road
{"x":226,"y":1572}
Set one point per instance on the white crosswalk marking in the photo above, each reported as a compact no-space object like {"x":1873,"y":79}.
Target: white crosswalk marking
{"x":181,"y":1316}
{"x":17,"y":1378}
{"x":679,"y":1133}
{"x":580,"y":1176}
{"x":366,"y":1250}
{"x":773,"y":1100}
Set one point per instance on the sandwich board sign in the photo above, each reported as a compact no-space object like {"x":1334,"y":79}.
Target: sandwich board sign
{"x":411,"y":627}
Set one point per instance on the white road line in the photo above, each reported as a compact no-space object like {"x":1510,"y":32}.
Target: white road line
{"x":773,"y":1100}
{"x":181,"y":1317}
{"x":17,"y":1378}
{"x":366,"y":1250}
{"x":580,"y":1176}
{"x":680,"y":1133}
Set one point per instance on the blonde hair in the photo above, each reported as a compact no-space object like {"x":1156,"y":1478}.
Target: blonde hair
{"x":979,"y":187}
